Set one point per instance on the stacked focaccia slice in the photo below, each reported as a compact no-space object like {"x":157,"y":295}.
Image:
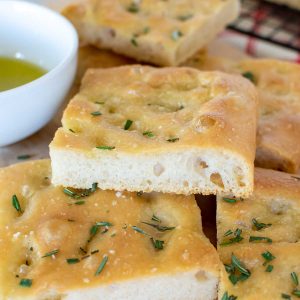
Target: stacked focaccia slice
{"x":61,"y":243}
{"x":258,"y":239}
{"x":175,"y":130}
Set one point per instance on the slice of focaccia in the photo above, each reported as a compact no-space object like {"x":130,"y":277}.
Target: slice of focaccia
{"x":155,"y":31}
{"x":277,"y":82}
{"x":266,"y":272}
{"x":273,"y":211}
{"x":258,"y":239}
{"x":61,"y":243}
{"x":175,"y":130}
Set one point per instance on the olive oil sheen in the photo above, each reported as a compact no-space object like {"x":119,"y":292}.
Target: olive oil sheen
{"x":15,"y":72}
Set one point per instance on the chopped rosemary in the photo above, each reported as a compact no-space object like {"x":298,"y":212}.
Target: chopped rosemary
{"x":294,"y":277}
{"x":185,"y":17}
{"x":79,"y":202}
{"x":146,"y":30}
{"x":106,"y":147}
{"x":236,"y":270}
{"x":139,"y":230}
{"x":95,"y":228}
{"x":71,"y":130}
{"x":148,"y":133}
{"x":16,"y":203}
{"x":285,"y":296}
{"x":24,"y":156}
{"x":260,"y":239}
{"x":96,"y":113}
{"x":71,"y":220}
{"x":176,"y":34}
{"x":157,"y":244}
{"x":236,"y":239}
{"x":268,"y":256}
{"x":229,"y":200}
{"x":139,"y":193}
{"x":228,"y":232}
{"x":133,"y":8}
{"x":296,"y":293}
{"x":128,"y":124}
{"x":99,"y":102}
{"x":84,"y":193}
{"x":82,"y":250}
{"x":25,"y":282}
{"x":259,"y":226}
{"x":72,"y":261}
{"x":173,"y":140}
{"x":238,"y":264}
{"x":269,"y":268}
{"x":250,"y":76}
{"x":134,"y":42}
{"x":53,"y":252}
{"x":102,"y":265}
{"x":155,"y":218}
{"x":99,"y":224}
{"x":159,"y":227}
{"x":94,"y":251}
{"x":227,"y":297}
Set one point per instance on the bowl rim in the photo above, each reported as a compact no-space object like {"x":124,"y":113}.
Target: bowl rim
{"x":66,"y":59}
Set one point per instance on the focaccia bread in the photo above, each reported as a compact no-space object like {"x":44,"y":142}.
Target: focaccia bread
{"x":270,"y":267}
{"x":155,"y":31}
{"x":273,"y":211}
{"x":175,"y":130}
{"x":277,"y":82}
{"x":259,"y":239}
{"x":60,"y":243}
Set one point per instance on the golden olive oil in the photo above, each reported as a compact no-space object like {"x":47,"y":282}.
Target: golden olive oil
{"x":15,"y":72}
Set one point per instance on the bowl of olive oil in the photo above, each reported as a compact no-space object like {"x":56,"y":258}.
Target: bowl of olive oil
{"x":38,"y":59}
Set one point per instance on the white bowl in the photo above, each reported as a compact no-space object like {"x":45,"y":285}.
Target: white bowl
{"x":47,"y":39}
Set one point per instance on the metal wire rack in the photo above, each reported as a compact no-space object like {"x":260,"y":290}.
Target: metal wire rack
{"x":269,"y":22}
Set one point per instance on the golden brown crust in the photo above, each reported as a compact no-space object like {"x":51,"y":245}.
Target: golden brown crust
{"x":271,"y":213}
{"x":51,"y":221}
{"x":276,"y":201}
{"x":160,"y":32}
{"x":279,"y":93}
{"x":200,"y":110}
{"x":262,"y":285}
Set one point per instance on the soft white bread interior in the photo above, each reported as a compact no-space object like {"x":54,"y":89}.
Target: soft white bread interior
{"x":61,"y":243}
{"x":160,"y":32}
{"x":190,"y":132}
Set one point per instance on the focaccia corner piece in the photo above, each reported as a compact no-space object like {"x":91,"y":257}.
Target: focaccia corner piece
{"x":258,"y":239}
{"x":175,"y":130}
{"x":61,"y":243}
{"x":273,"y":211}
{"x":267,"y":269}
{"x":155,"y":31}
